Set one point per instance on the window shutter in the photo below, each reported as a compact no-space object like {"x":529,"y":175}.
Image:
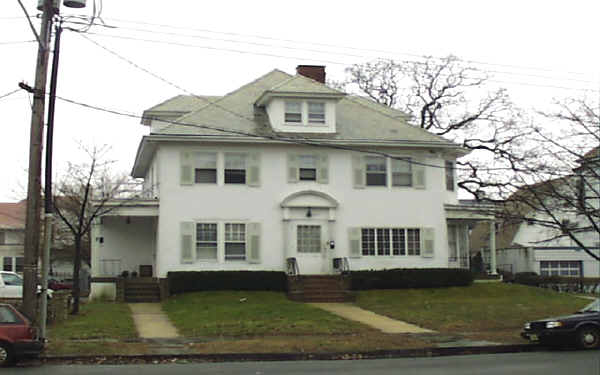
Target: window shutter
{"x":186,"y":170}
{"x":253,"y":169}
{"x":418,"y":174}
{"x":358,"y":171}
{"x":323,"y":168}
{"x":427,"y":242}
{"x":292,"y":165}
{"x":253,"y":242}
{"x":188,"y":231}
{"x":354,"y":237}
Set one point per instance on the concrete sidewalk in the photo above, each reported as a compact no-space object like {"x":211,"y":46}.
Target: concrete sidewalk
{"x":380,"y":322}
{"x":151,"y":322}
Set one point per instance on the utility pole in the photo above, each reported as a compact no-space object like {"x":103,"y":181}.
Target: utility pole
{"x":32,"y":223}
{"x":48,"y":197}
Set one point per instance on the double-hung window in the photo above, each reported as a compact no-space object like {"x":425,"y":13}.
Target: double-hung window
{"x":206,"y":241}
{"x":449,"y":169}
{"x":235,"y":241}
{"x":402,"y":172}
{"x":293,"y":111}
{"x":390,"y":241}
{"x":316,"y":112}
{"x":7,"y":264}
{"x":235,"y":168}
{"x":376,"y":171}
{"x":307,"y":170}
{"x":205,"y":168}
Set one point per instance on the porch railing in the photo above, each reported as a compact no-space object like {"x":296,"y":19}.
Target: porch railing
{"x":292,"y":267}
{"x":127,"y":190}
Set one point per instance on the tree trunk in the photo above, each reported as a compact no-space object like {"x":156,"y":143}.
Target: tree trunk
{"x":76,"y":292}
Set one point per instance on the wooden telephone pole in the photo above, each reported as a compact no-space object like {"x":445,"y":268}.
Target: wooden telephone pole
{"x":32,"y":223}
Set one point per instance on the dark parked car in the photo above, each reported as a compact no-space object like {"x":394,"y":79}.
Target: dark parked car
{"x":581,"y":328}
{"x":59,"y":285}
{"x":18,"y":338}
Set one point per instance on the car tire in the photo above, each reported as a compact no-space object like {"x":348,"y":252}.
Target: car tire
{"x":7,"y":356}
{"x":588,"y":337}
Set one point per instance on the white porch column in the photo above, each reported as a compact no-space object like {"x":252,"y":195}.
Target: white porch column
{"x":493,"y":248}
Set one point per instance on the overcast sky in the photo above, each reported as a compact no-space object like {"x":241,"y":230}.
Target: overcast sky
{"x":538,"y":50}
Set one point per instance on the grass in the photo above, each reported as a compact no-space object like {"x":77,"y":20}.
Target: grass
{"x":96,"y":320}
{"x":493,"y":311}
{"x":261,"y":313}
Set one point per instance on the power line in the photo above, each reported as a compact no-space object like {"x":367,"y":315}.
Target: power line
{"x":299,"y":140}
{"x":10,"y":93}
{"x":303,"y":58}
{"x":329,"y":52}
{"x":18,"y":42}
{"x":514,"y":66}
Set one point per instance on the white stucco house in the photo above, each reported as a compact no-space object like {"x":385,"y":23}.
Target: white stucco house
{"x":525,"y":245}
{"x":284,"y":167}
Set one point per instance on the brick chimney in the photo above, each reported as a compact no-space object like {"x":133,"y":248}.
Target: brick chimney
{"x":316,"y":72}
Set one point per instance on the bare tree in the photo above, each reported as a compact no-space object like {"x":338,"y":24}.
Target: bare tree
{"x":559,"y":189}
{"x":451,"y":99}
{"x":82,"y":196}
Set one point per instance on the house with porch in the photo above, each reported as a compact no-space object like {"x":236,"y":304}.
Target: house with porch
{"x":532,"y":240}
{"x":284,"y":174}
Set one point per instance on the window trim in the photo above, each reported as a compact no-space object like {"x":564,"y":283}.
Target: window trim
{"x":403,"y":251}
{"x":245,"y":158}
{"x":196,"y":242}
{"x":285,"y":112}
{"x":225,"y":241}
{"x":309,"y":113}
{"x":549,"y":269}
{"x":384,"y":173}
{"x":449,"y":175}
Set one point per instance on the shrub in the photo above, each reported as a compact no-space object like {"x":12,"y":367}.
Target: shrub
{"x":527,"y":278}
{"x":410,"y":278}
{"x":192,"y":281}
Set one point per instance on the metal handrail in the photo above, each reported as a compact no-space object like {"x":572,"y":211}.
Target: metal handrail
{"x":345,"y":265}
{"x":292,"y":267}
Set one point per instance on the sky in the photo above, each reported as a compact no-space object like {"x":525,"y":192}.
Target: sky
{"x":149,"y":51}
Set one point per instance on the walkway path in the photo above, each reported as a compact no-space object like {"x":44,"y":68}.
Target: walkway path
{"x":151,"y":321}
{"x":380,"y":322}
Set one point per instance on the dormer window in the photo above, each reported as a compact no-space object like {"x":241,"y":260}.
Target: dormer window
{"x":316,"y":112}
{"x":293,"y":111}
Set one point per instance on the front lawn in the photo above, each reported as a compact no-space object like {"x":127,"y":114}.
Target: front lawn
{"x":96,"y":320}
{"x":101,"y":324}
{"x":482,"y":310}
{"x":236,"y":313}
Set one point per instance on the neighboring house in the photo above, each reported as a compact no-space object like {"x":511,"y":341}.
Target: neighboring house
{"x":284,"y":167}
{"x":12,"y":235}
{"x":12,"y":239}
{"x":523,"y":245}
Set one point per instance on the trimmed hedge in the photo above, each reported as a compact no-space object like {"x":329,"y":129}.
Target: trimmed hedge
{"x":192,"y":281}
{"x":404,"y":278}
{"x":533,"y":279}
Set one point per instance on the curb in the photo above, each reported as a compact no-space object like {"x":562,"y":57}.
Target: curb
{"x":246,"y":357}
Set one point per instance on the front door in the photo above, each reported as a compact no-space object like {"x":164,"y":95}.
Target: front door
{"x":311,"y":252}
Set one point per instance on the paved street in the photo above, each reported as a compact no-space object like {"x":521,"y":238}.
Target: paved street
{"x":544,"y":363}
